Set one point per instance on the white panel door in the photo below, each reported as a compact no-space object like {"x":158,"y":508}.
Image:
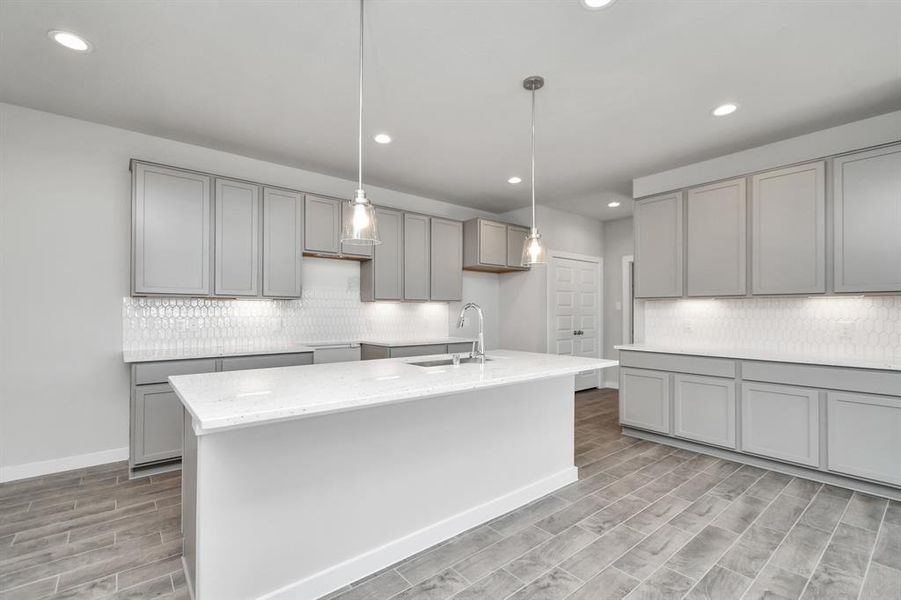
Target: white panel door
{"x":576,"y":305}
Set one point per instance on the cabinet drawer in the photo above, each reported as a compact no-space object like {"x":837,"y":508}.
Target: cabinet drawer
{"x":239,"y":363}
{"x":331,"y":355}
{"x":645,"y":399}
{"x":704,"y":409}
{"x":401,"y":351}
{"x":460,"y":348}
{"x":159,"y":372}
{"x":836,"y":378}
{"x":864,"y":436}
{"x":781,"y":422}
{"x":680,"y":363}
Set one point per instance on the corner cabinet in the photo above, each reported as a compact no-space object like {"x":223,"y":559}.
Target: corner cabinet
{"x":788,"y":230}
{"x":716,"y":239}
{"x":867,"y":199}
{"x":322,"y":230}
{"x":382,"y":278}
{"x":171,"y":211}
{"x":446,"y":260}
{"x":658,"y":246}
{"x":493,"y":246}
{"x":282,"y":243}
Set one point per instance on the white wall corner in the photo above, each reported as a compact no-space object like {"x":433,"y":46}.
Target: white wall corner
{"x":58,"y":465}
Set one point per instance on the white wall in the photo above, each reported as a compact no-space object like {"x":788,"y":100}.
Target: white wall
{"x":523,"y":296}
{"x":618,"y":242}
{"x":65,"y":206}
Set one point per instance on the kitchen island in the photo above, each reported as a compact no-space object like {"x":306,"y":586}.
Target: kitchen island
{"x":300,"y":480}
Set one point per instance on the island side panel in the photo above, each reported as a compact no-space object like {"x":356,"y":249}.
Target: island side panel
{"x":297,"y":509}
{"x":189,"y":502}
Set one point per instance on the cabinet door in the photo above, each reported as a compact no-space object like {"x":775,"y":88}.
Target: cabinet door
{"x":781,"y":422}
{"x":417,"y":246}
{"x":158,"y":426}
{"x":716,"y":237}
{"x":363,"y":250}
{"x":516,"y":237}
{"x":704,"y":409}
{"x":446,"y":254}
{"x":237,"y":238}
{"x":322,"y":224}
{"x":658,"y":246}
{"x":388,"y":257}
{"x":644,"y":399}
{"x":171,"y":237}
{"x":867,"y":189}
{"x":282,"y":243}
{"x":864,"y":436}
{"x":492,"y":243}
{"x":788,"y":230}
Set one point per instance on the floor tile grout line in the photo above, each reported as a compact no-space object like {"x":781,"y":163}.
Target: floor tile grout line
{"x":790,"y":529}
{"x":866,"y":571}
{"x":826,"y":545}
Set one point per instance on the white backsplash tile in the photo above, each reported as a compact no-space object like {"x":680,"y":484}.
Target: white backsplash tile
{"x":863,"y":327}
{"x":324,"y":314}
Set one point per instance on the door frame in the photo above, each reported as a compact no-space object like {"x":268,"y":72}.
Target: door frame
{"x":552,"y":255}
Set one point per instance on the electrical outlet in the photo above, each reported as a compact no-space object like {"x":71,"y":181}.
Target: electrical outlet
{"x":846,"y":330}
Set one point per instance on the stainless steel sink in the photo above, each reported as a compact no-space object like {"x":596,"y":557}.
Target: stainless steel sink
{"x":445,"y":362}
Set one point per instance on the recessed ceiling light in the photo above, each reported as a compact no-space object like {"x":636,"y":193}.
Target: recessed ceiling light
{"x":725,"y":109}
{"x":69,"y":40}
{"x":515,"y":179}
{"x":613,"y":204}
{"x":382,"y":138}
{"x":596,"y":4}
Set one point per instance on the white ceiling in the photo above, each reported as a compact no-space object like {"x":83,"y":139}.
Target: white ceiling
{"x":629,"y":88}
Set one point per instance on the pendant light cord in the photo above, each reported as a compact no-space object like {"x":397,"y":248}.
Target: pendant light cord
{"x":360,"y":131}
{"x":533,"y":160}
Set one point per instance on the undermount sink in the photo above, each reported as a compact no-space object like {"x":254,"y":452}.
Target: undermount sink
{"x":445,"y":362}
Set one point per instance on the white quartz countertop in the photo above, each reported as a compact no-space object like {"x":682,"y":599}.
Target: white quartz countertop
{"x":812,"y":358}
{"x":222,"y":401}
{"x":135,"y":356}
{"x":427,"y":342}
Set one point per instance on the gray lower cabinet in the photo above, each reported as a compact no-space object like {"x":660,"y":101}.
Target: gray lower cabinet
{"x":704,"y":409}
{"x":867,"y":205}
{"x":171,"y":210}
{"x":864,"y":436}
{"x":266,"y":361}
{"x":658,"y":246}
{"x":417,"y":261}
{"x":516,"y":239}
{"x":322,"y":225}
{"x":644,"y":399}
{"x":237,"y":239}
{"x":781,"y":421}
{"x":788,"y":230}
{"x":282,"y":243}
{"x":446,"y":256}
{"x":158,"y":424}
{"x":382,"y":278}
{"x":716,"y":239}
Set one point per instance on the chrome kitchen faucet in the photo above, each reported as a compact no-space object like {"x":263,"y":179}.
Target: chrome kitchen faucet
{"x":478,"y":348}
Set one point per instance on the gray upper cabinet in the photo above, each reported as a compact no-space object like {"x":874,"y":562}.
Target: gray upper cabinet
{"x":417,"y":247}
{"x":354,"y":250}
{"x":382,"y":278}
{"x":322,"y":225}
{"x":788,"y":230}
{"x":516,"y":237}
{"x":658,"y":246}
{"x":171,"y":219}
{"x":282,"y":243}
{"x":446,"y":255}
{"x":716,"y":248}
{"x":237,"y":238}
{"x":867,"y":194}
{"x":492,"y":243}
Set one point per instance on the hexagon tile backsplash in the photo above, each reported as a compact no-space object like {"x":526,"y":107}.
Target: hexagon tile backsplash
{"x":862,"y":327}
{"x":323,"y":315}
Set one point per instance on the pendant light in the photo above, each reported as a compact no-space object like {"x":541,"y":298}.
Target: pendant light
{"x":533,"y":250}
{"x":358,"y":224}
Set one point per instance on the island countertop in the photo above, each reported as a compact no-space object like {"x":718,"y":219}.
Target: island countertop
{"x":229,"y":400}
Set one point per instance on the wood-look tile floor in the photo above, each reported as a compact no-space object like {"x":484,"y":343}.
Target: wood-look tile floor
{"x":644,"y":522}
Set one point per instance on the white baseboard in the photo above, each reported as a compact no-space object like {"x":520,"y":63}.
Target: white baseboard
{"x":611,"y":384}
{"x":376,"y":559}
{"x":57,"y":465}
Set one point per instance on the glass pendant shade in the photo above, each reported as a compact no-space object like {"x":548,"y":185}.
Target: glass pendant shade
{"x":358,"y":223}
{"x":533,"y":249}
